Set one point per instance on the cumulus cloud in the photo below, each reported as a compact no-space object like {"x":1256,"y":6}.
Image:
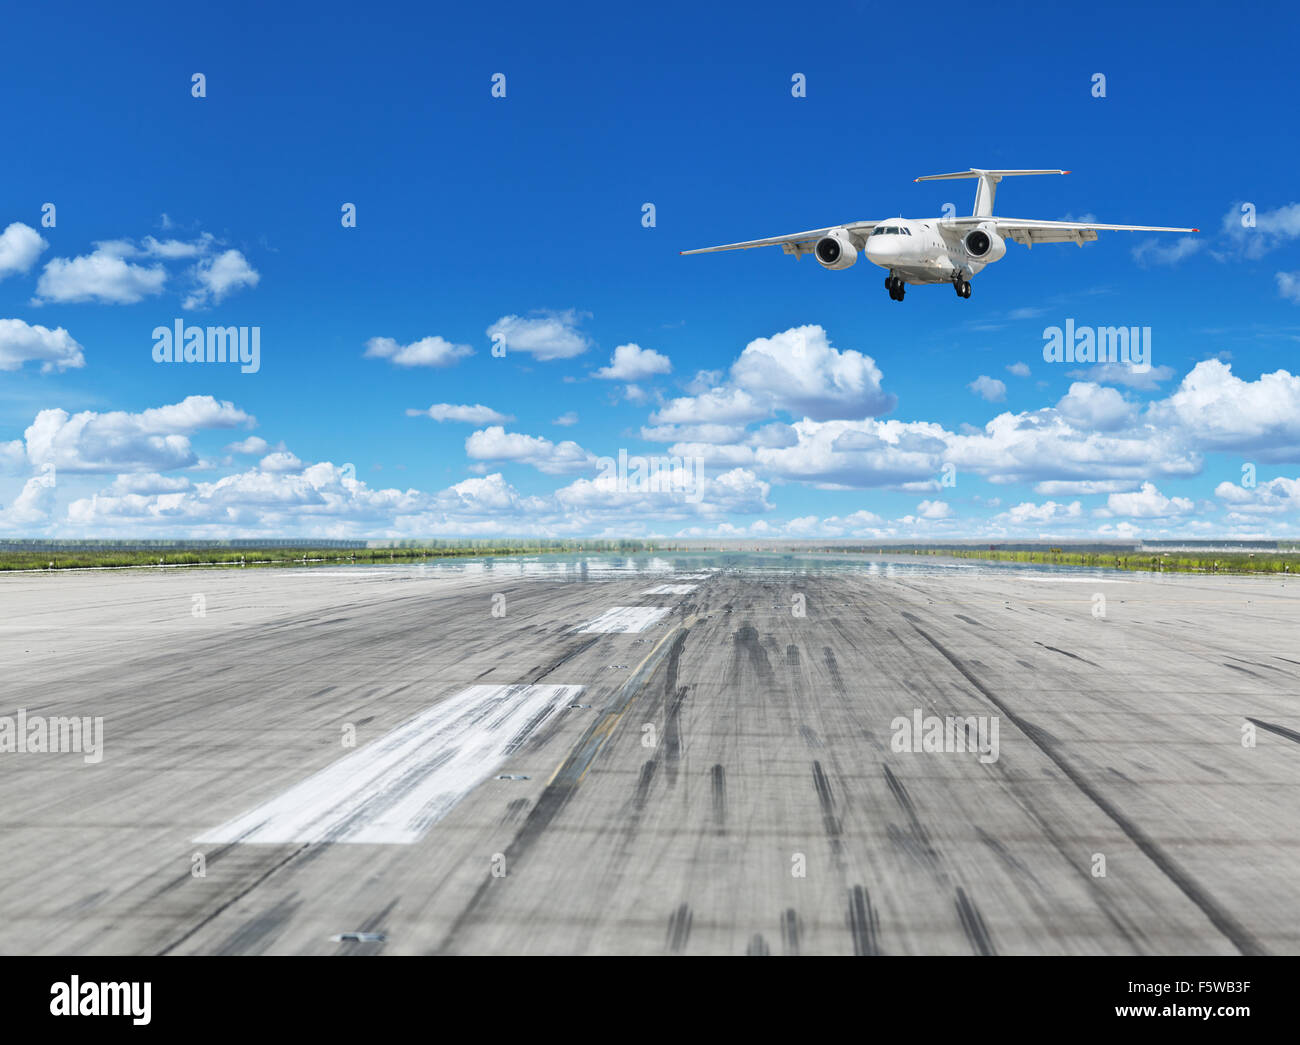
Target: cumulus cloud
{"x":254,"y":444}
{"x":989,"y":388}
{"x":1147,"y":503}
{"x":1049,"y":511}
{"x":154,"y":440}
{"x":20,"y":246}
{"x":566,"y":419}
{"x":478,"y":414}
{"x":496,"y":444}
{"x":53,"y":349}
{"x":1272,"y":497}
{"x":218,"y":277}
{"x":1147,"y":379}
{"x":1089,"y":405}
{"x":800,"y":372}
{"x":1220,"y":411}
{"x":1288,"y":285}
{"x":146,"y":483}
{"x":104,"y":276}
{"x":1272,"y":229}
{"x":33,"y":506}
{"x":431,"y":351}
{"x":1163,"y":252}
{"x":1019,"y":369}
{"x":631,"y":362}
{"x":281,"y":461}
{"x":545,"y":336}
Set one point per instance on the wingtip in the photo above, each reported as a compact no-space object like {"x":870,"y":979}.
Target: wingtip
{"x":1196,"y":230}
{"x":1065,"y":172}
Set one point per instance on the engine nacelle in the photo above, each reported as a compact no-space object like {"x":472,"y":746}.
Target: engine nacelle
{"x":983,"y":244}
{"x":835,"y":250}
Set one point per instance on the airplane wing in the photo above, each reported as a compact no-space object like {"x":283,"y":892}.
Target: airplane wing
{"x":796,"y":243}
{"x":1030,"y":231}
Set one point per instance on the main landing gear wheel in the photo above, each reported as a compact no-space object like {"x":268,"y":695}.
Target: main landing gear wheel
{"x":895,"y":287}
{"x":962,"y":287}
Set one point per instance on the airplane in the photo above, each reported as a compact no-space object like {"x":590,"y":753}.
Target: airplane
{"x":937,"y":250}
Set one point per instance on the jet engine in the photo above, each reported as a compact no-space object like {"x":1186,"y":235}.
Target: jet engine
{"x":984,"y":244}
{"x":835,"y":250}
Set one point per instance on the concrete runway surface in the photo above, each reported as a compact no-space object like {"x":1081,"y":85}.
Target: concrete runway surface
{"x":719,"y":778}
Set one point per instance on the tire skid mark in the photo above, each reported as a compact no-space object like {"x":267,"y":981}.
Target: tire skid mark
{"x":864,"y":926}
{"x":972,"y":924}
{"x":679,"y":929}
{"x":790,"y":932}
{"x":719,"y":775}
{"x":569,"y":774}
{"x":1281,"y":731}
{"x":1219,"y":917}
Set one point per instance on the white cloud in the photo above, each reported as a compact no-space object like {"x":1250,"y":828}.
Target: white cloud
{"x":254,"y":444}
{"x":1272,"y":497}
{"x":1088,"y":405}
{"x":33,"y":505}
{"x":545,"y":336}
{"x":1126,"y":374}
{"x":1165,"y":252}
{"x":103,"y":276}
{"x":633,"y":363}
{"x":933,"y":510}
{"x":1288,"y":285}
{"x":1273,"y":228}
{"x":281,"y":461}
{"x":154,"y":440}
{"x":431,"y":351}
{"x":1019,"y":369}
{"x":146,"y":483}
{"x":1049,"y":511}
{"x":218,"y":277}
{"x":496,"y":444}
{"x":478,"y":414}
{"x":1219,"y":411}
{"x":20,"y":246}
{"x":989,"y":388}
{"x":53,"y":349}
{"x":566,"y":419}
{"x":800,"y":372}
{"x":1147,"y":503}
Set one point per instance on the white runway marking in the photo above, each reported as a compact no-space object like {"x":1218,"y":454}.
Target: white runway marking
{"x":392,"y":790}
{"x":692,"y":577}
{"x":671,"y":589}
{"x":625,"y":619}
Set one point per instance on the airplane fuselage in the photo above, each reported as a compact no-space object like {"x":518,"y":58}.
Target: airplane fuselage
{"x":920,"y":251}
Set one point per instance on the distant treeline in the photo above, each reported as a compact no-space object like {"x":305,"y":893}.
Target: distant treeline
{"x":1215,"y":562}
{"x":187,"y":553}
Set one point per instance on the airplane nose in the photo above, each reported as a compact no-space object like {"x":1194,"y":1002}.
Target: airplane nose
{"x":881,"y":249}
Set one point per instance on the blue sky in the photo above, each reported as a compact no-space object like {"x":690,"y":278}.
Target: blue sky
{"x":225,"y":210}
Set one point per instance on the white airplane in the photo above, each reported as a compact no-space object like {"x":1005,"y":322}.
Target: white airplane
{"x":937,"y":250}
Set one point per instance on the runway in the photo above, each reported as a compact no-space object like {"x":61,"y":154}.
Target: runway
{"x":663,"y":754}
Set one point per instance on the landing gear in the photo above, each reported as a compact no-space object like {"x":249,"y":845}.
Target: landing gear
{"x":962,"y":287}
{"x":895,"y":287}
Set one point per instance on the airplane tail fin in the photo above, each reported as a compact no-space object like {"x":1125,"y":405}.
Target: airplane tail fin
{"x":987,"y":187}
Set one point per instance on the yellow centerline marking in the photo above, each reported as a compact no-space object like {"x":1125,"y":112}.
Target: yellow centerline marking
{"x":606,"y":726}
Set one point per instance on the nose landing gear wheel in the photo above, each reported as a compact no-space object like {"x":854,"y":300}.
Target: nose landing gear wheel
{"x":895,"y":287}
{"x":962,"y":287}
